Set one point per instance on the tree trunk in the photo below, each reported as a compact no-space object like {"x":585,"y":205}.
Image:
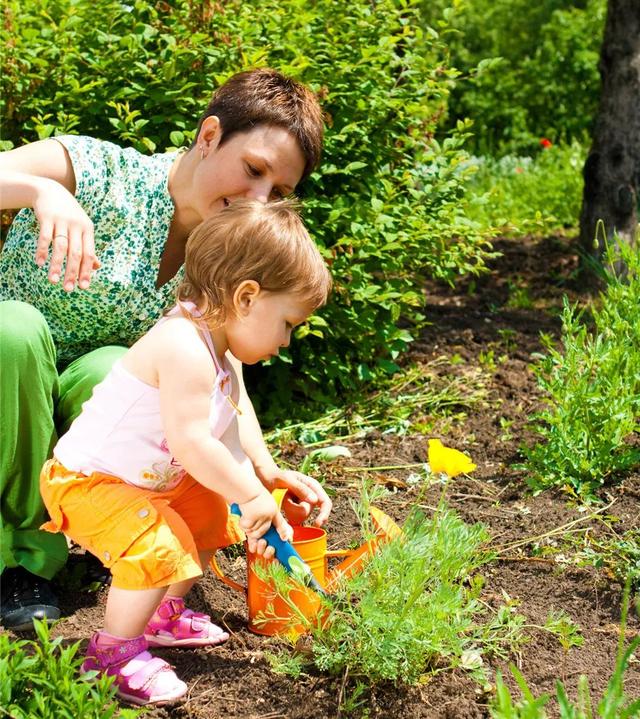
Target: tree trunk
{"x":612,"y":168}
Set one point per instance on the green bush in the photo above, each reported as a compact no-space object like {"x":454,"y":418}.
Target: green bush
{"x":413,"y":610}
{"x":40,"y":680}
{"x":592,"y":388}
{"x":386,"y":205}
{"x":409,"y":607}
{"x":546,"y":82}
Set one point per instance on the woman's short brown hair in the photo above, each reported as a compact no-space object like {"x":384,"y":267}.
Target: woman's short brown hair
{"x":248,"y":240}
{"x":267,"y":97}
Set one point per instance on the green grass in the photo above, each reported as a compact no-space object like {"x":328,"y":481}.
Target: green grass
{"x":613,"y":704}
{"x":410,"y":401}
{"x":522,"y":195}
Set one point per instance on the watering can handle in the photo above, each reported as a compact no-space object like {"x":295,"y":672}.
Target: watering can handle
{"x":223,"y":577}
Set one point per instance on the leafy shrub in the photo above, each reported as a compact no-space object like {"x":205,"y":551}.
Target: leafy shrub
{"x":39,"y":680}
{"x":546,"y":81}
{"x":593,"y":389}
{"x":386,"y":205}
{"x":519,"y":195}
{"x":412,"y":610}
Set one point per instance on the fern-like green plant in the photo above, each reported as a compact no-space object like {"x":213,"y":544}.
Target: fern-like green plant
{"x":40,"y":680}
{"x":413,"y":609}
{"x":592,"y":388}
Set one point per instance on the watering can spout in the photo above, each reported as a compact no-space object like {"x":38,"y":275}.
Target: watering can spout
{"x":386,"y":530}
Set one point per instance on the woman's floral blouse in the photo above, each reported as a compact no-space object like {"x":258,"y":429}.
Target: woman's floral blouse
{"x":126,"y":196}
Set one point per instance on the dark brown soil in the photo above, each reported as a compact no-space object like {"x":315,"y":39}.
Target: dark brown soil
{"x":494,"y":327}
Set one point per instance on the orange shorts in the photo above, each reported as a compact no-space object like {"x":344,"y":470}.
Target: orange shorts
{"x":147,"y":539}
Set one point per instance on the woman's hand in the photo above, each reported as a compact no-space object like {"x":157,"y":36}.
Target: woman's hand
{"x":307,"y":490}
{"x":65,"y":227}
{"x":41,"y":176}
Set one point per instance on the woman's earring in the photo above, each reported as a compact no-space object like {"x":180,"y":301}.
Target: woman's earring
{"x":201,"y":152}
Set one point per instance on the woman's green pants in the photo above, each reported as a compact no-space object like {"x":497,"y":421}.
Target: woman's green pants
{"x":36,"y":405}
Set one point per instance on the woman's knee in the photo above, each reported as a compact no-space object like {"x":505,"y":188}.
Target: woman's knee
{"x":91,"y":368}
{"x":22,"y":326}
{"x":26,"y":345}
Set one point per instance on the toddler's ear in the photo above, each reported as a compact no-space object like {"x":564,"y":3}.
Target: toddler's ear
{"x":245,"y":296}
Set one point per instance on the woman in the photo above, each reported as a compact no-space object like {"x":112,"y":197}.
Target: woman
{"x":118,"y":221}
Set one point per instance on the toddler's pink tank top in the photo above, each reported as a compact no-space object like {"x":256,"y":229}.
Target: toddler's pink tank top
{"x":119,"y":430}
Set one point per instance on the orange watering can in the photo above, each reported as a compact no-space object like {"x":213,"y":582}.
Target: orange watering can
{"x":269,"y":612}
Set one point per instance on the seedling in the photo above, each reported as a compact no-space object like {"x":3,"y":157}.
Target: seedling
{"x":614,"y":704}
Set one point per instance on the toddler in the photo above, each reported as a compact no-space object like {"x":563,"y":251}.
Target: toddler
{"x":144,"y":476}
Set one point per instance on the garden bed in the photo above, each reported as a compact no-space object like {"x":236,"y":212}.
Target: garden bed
{"x":486,"y":337}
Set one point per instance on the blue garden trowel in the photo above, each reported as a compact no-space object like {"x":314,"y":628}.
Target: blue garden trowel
{"x":287,"y":556}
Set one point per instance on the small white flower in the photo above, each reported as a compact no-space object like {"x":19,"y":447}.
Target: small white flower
{"x":471,"y":659}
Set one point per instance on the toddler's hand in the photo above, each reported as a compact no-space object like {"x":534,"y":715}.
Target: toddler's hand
{"x":260,"y":546}
{"x":257,"y":516}
{"x":308,"y":492}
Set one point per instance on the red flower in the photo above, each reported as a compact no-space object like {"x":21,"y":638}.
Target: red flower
{"x":545,"y":143}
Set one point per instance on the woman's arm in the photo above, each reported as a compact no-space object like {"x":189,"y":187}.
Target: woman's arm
{"x":41,"y":176}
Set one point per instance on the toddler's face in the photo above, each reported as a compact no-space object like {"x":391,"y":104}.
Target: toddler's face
{"x":263,"y":325}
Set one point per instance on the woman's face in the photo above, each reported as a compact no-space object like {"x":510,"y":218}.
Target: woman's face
{"x":263,"y":164}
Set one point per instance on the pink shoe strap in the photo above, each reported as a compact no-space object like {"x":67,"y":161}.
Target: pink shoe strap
{"x":199,"y":622}
{"x":117,"y":653}
{"x":146,"y":675}
{"x":172,"y":608}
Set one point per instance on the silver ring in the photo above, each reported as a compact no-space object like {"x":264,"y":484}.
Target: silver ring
{"x":66,"y":237}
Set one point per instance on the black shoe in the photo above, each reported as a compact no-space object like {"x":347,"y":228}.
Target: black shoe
{"x":26,"y":597}
{"x":96,"y":574}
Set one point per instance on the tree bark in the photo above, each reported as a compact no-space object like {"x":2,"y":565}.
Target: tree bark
{"x":612,"y":168}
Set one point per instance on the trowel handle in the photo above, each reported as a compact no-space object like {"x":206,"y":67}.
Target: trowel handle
{"x":284,"y":550}
{"x":286,"y":554}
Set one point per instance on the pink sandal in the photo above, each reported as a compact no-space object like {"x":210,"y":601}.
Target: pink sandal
{"x":173,"y":625}
{"x":140,"y":678}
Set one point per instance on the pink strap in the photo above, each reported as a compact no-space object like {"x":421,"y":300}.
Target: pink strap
{"x":145,"y":675}
{"x":196,"y":621}
{"x":206,"y":333}
{"x":120,"y":653}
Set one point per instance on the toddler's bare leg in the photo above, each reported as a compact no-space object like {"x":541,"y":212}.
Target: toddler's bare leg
{"x":180,"y":589}
{"x":129,"y":610}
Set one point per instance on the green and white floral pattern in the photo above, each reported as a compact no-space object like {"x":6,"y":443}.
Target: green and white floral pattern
{"x":126,"y":196}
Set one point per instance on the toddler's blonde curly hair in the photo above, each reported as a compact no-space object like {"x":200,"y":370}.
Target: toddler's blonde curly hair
{"x":249,"y":240}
